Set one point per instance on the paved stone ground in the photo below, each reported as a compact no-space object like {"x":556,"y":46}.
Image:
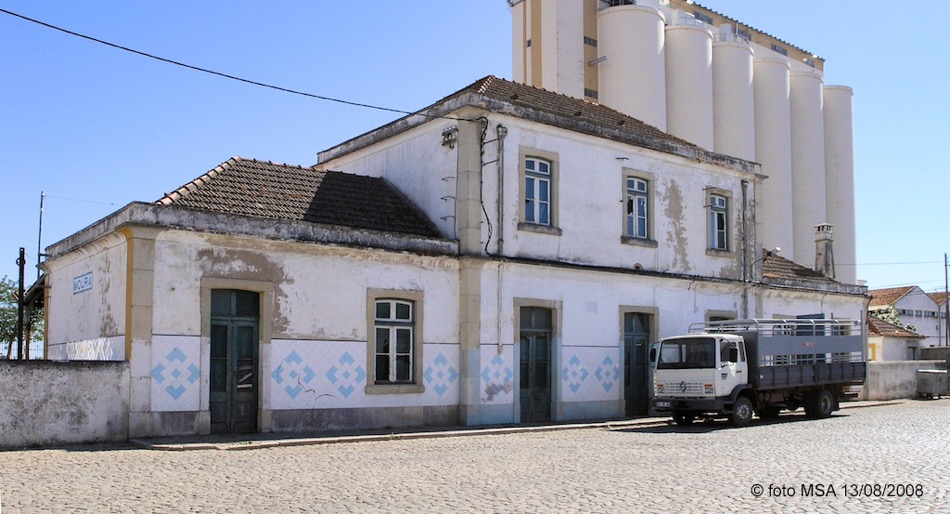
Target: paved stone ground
{"x":635,"y":468}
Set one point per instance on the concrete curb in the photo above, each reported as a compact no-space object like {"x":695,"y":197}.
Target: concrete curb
{"x":163,"y":444}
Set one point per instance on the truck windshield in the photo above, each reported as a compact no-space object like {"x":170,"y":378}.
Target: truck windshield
{"x":687,"y":353}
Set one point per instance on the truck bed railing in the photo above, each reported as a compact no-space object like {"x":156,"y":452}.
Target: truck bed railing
{"x":781,"y":327}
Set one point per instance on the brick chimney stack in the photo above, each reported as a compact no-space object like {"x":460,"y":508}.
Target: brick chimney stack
{"x":824,"y":254}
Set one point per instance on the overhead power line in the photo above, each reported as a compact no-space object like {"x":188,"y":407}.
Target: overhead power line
{"x":220,"y":74}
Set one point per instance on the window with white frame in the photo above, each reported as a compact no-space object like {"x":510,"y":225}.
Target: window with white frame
{"x":718,"y":222}
{"x":638,"y":208}
{"x":537,"y":191}
{"x":394,"y":342}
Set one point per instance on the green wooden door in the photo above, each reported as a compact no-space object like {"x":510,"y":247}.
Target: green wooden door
{"x":636,"y":376}
{"x":235,"y":338}
{"x":535,"y":364}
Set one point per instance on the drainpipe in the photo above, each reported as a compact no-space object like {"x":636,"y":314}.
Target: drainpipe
{"x":745,"y":249}
{"x":501,"y":132}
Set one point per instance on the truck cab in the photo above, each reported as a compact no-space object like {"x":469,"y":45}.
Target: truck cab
{"x":696,"y":374}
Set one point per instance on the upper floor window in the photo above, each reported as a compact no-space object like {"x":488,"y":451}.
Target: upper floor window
{"x":718,"y":222}
{"x":537,"y":191}
{"x":394,"y":341}
{"x":638,"y":208}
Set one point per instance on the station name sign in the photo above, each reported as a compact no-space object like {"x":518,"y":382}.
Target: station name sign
{"x":82,"y":283}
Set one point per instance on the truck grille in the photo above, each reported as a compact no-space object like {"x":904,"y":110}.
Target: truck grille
{"x":680,"y":389}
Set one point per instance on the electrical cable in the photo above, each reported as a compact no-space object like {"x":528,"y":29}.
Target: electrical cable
{"x":225,"y":75}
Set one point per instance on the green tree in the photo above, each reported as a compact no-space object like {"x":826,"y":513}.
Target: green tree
{"x":8,"y":319}
{"x":890,"y":315}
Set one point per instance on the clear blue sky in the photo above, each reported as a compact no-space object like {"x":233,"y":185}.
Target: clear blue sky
{"x":97,"y":128}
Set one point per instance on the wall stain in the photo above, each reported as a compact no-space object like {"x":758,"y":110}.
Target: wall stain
{"x":249,"y":265}
{"x":676,"y":236}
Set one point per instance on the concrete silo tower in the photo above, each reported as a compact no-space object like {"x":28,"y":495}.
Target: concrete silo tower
{"x":718,"y":83}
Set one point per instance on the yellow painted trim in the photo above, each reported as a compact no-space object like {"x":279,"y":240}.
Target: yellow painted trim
{"x":536,"y":44}
{"x":129,"y":264}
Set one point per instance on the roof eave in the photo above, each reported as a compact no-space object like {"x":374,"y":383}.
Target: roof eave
{"x":443,"y":110}
{"x":179,"y":218}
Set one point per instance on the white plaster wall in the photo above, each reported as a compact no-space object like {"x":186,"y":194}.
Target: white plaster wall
{"x":918,"y":300}
{"x":588,"y":358}
{"x":88,"y":325}
{"x":790,"y":303}
{"x":591,"y":208}
{"x":418,"y":165}
{"x":319,"y":322}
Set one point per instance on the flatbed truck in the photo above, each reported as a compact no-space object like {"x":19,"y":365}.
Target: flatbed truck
{"x":734,"y":369}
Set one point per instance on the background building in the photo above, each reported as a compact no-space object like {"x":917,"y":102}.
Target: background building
{"x":715,"y":82}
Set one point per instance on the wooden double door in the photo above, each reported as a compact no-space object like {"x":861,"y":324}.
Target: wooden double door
{"x":234,"y":381}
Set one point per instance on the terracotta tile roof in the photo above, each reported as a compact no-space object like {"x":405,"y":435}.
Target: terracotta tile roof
{"x":259,"y":189}
{"x":879,"y":327}
{"x":502,"y":96}
{"x":888,"y":296}
{"x":940,"y":298}
{"x":531,"y":97}
{"x":776,"y":266}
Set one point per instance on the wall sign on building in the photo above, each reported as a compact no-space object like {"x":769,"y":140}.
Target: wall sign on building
{"x":82,"y":283}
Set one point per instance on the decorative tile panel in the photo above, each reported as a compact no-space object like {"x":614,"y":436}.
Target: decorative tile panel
{"x":175,"y":374}
{"x":346,"y":375}
{"x":608,"y":374}
{"x":497,"y":376}
{"x":440,"y":375}
{"x":293,"y":375}
{"x":574,"y":374}
{"x":590,"y":374}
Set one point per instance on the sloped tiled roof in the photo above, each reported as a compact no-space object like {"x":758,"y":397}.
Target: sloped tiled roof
{"x":531,"y":97}
{"x":259,"y":189}
{"x":526,"y":102}
{"x":940,"y":298}
{"x":776,"y":266}
{"x":888,"y":296}
{"x":879,"y":327}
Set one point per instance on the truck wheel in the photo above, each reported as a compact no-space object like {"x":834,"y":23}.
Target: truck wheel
{"x":823,"y":404}
{"x":741,"y":412}
{"x":683,"y":419}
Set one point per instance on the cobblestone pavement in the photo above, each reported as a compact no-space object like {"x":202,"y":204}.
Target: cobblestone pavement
{"x":900,"y":449}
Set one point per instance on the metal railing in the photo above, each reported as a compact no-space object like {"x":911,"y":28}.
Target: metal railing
{"x":781,"y":327}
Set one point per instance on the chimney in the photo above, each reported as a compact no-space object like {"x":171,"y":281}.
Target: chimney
{"x":824,"y":255}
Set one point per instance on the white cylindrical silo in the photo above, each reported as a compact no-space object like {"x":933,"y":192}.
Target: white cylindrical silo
{"x":633,"y":73}
{"x":733,"y":99}
{"x":773,"y":150}
{"x":808,"y":161}
{"x":689,"y":84}
{"x":839,"y":179}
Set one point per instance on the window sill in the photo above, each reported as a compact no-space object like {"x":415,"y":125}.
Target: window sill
{"x":395,"y":389}
{"x":636,"y":241}
{"x":712,"y":252}
{"x":539,"y":229}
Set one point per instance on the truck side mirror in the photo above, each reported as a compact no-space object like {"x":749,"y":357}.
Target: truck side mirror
{"x":733,"y":354}
{"x":652,"y":354}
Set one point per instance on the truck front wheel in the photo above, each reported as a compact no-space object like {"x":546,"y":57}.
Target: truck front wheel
{"x":741,"y":412}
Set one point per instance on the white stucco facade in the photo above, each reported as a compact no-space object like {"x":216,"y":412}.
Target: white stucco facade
{"x":520,"y":312}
